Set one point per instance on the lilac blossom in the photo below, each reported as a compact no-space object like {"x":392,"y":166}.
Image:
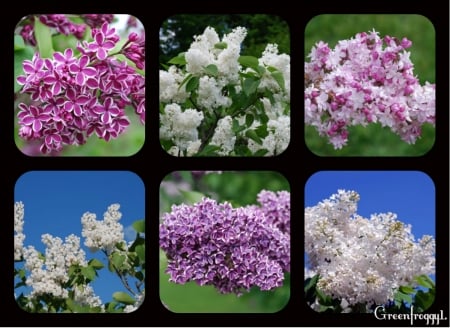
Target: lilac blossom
{"x":363,"y":260}
{"x":232,"y":249}
{"x":363,"y":80}
{"x":75,"y":96}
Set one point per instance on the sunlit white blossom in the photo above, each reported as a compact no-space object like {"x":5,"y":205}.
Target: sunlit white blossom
{"x":363,"y":260}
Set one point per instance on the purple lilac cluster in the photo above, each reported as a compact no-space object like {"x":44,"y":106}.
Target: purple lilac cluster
{"x":75,"y":96}
{"x":365,"y":80}
{"x":64,"y":25}
{"x":232,"y":249}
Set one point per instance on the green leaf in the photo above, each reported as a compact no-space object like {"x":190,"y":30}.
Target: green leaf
{"x":221,"y":45}
{"x":261,"y":152}
{"x":323,"y":298}
{"x":43,"y":36}
{"x":192,"y":84}
{"x":192,"y":197}
{"x":124,"y":298}
{"x":261,"y":131}
{"x":252,"y":135}
{"x":140,"y":251}
{"x":212,"y":70}
{"x":400,"y":297}
{"x":425,"y":281}
{"x":18,"y":43}
{"x":88,"y":272}
{"x":261,"y":70}
{"x":311,"y":283}
{"x":186,"y":79}
{"x":249,"y":118}
{"x":96,"y":264}
{"x":139,"y":275}
{"x":250,"y":86}
{"x":139,"y":226}
{"x":407,"y":289}
{"x":249,"y":61}
{"x":118,"y":260}
{"x":178,"y":60}
{"x":209,"y":150}
{"x":424,"y":300}
{"x":278,"y":76}
{"x":236,"y":127}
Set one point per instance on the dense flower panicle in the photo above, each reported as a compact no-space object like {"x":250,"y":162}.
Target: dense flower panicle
{"x":48,"y":275}
{"x":97,"y":20}
{"x":19,"y":236}
{"x":230,"y":248}
{"x":214,"y":63}
{"x":105,"y":234}
{"x":365,"y":80}
{"x":77,"y":96}
{"x":181,"y":126}
{"x":363,"y":260}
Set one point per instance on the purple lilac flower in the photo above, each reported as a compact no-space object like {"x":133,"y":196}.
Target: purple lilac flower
{"x":232,"y":249}
{"x":76,"y":97}
{"x":104,"y":41}
{"x":63,"y":25}
{"x":97,"y":20}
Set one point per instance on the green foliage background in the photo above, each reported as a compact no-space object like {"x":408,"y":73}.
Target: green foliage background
{"x":239,"y":188}
{"x":177,"y":32}
{"x":374,"y":140}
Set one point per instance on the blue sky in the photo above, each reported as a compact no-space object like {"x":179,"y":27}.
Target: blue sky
{"x":55,"y":201}
{"x":409,"y":194}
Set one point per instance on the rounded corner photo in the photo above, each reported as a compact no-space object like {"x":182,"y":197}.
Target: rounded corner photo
{"x":224,"y":239}
{"x":79,"y":85}
{"x":369,"y":85}
{"x":224,"y":85}
{"x":78,"y":248}
{"x":370,"y":242}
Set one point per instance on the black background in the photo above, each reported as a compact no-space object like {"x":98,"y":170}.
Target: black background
{"x":297,"y":163}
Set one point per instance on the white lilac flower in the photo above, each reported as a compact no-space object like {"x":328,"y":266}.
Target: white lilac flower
{"x":19,"y":236}
{"x":103,"y":234}
{"x":224,"y":136}
{"x":362,"y":260}
{"x":180,"y":126}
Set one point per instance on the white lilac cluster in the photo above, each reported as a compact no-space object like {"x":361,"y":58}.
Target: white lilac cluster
{"x":85,"y":296}
{"x":103,"y":234}
{"x":203,"y":52}
{"x":181,"y":127}
{"x":363,"y":260}
{"x":19,"y":236}
{"x":183,"y":112}
{"x":282,"y":62}
{"x":364,"y":80}
{"x":48,"y":274}
{"x":224,"y":136}
{"x":133,"y":307}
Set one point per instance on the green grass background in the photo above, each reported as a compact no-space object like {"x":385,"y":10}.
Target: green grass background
{"x":374,"y":140}
{"x":239,"y":188}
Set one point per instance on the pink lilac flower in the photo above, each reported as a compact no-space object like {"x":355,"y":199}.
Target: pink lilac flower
{"x":232,"y":249}
{"x":365,"y":80}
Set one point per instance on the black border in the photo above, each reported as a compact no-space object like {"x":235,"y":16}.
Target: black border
{"x":297,"y":163}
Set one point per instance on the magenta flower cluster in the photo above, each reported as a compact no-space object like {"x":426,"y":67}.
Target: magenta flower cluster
{"x":75,"y":96}
{"x":232,"y":249}
{"x":65,"y":26}
{"x":365,"y":80}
